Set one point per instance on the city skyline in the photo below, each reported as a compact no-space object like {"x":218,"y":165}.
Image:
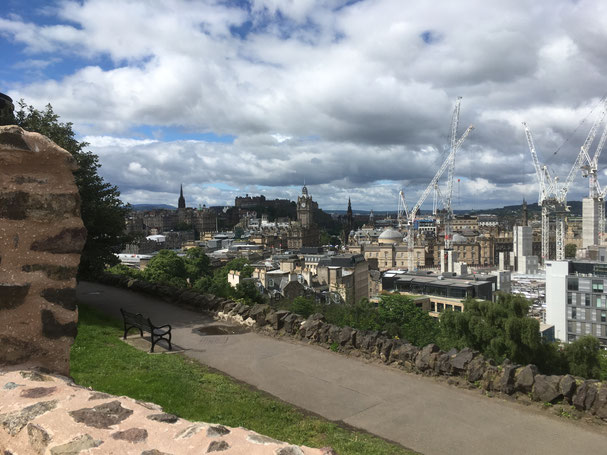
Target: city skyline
{"x":354,"y":97}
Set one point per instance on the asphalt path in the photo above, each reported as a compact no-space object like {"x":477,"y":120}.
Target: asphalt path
{"x":417,"y":412}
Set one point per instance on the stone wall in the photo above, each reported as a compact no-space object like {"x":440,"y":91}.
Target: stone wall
{"x":41,"y":237}
{"x":465,"y":368}
{"x":49,"y":414}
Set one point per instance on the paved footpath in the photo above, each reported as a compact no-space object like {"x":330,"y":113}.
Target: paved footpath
{"x":417,"y":412}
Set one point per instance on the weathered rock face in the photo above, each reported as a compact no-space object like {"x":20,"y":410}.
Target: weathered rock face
{"x":6,"y":110}
{"x":41,"y":237}
{"x":70,"y":419}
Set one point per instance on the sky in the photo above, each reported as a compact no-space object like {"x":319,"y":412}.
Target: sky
{"x":354,"y":98}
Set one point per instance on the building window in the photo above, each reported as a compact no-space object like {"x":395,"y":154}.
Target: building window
{"x":597,"y":286}
{"x":603,"y":316}
{"x":587,"y":299}
{"x":569,"y":298}
{"x":572,"y":284}
{"x":573,"y":313}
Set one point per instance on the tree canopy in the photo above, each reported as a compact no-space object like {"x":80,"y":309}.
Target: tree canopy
{"x":498,"y":329}
{"x":168,"y":268}
{"x":102,"y":211}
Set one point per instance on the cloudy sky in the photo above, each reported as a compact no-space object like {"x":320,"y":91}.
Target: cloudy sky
{"x":354,"y":97}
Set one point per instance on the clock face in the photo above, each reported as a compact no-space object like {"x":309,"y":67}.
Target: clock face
{"x":303,"y":204}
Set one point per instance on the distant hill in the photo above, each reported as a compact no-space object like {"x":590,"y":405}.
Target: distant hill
{"x":144,"y":207}
{"x":575,"y":208}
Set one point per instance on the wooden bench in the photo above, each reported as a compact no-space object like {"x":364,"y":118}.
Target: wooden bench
{"x":138,"y":321}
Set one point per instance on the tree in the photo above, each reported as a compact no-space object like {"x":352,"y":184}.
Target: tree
{"x":583,"y":357}
{"x":167,"y":268}
{"x":499,"y":330}
{"x":325,"y":238}
{"x":400,"y":317}
{"x":247,"y":291}
{"x":102,"y":211}
{"x":197,"y":264}
{"x":570,"y":250}
{"x":303,"y":306}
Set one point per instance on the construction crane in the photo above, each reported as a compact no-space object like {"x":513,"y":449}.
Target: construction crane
{"x":547,"y":192}
{"x":449,"y":163}
{"x":553,"y":197}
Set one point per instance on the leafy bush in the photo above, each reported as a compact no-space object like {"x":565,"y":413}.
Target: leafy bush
{"x":303,"y":306}
{"x":121,"y":269}
{"x":395,"y":314}
{"x":167,"y":268}
{"x":583,"y":357}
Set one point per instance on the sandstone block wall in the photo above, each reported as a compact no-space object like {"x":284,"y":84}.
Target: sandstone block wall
{"x":49,"y":414}
{"x":41,"y":237}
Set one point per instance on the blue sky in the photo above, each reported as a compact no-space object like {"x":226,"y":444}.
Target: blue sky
{"x":354,"y":96}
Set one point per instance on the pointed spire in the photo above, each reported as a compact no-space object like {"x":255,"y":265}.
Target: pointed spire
{"x":181,"y":201}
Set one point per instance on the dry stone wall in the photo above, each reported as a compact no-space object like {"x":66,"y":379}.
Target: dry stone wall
{"x":41,"y":237}
{"x":49,"y":414}
{"x":464,"y":368}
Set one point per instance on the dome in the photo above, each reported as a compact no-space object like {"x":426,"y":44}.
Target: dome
{"x":390,"y":235}
{"x":458,"y":238}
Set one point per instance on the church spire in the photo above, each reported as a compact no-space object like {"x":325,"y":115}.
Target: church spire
{"x":349,"y":223}
{"x":181,"y":202}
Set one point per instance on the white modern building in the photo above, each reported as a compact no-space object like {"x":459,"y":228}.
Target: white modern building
{"x":576,"y":299}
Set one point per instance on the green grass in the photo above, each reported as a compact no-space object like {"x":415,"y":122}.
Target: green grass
{"x":99,"y":359}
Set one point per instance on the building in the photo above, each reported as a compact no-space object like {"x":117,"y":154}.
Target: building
{"x":523,"y":260}
{"x":346,"y":275}
{"x":590,"y":221}
{"x":576,"y":302}
{"x":152,"y":222}
{"x":440,"y":292}
{"x":304,"y":232}
{"x":487,"y":221}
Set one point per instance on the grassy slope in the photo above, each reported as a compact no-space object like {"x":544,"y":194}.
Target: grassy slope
{"x":185,"y":388}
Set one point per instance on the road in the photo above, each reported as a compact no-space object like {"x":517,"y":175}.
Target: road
{"x":417,"y":412}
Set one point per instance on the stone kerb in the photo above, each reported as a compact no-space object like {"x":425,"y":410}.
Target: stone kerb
{"x":464,"y":368}
{"x":41,"y":238}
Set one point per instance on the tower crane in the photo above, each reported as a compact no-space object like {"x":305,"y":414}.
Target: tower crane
{"x":590,"y":170}
{"x":448,"y":163}
{"x":552,"y":196}
{"x":547,"y":192}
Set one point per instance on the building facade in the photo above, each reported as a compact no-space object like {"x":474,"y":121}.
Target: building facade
{"x":576,"y":299}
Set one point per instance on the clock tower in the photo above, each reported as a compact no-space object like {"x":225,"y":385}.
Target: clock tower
{"x":304,"y":232}
{"x":304,"y":208}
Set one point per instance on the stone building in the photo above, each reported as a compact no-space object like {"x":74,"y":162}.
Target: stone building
{"x":304,"y":232}
{"x":347,"y":275}
{"x":157,"y":221}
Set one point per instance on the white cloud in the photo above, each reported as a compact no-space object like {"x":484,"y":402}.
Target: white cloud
{"x":345,"y":95}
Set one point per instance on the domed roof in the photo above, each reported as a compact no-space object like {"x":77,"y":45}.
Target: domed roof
{"x":458,"y":238}
{"x":390,"y":234}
